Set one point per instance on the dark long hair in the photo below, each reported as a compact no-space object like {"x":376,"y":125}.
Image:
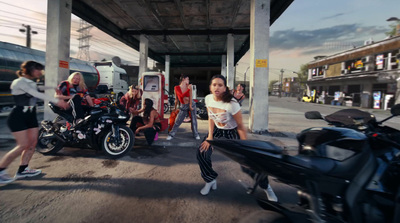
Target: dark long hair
{"x":28,"y":67}
{"x":148,"y":106}
{"x":227,"y":96}
{"x":183,"y":76}
{"x":244,"y":88}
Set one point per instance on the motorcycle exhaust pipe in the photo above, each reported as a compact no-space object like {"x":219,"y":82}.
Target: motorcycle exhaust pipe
{"x":52,"y":135}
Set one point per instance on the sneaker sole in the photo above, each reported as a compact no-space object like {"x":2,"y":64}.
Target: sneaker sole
{"x":7,"y":182}
{"x":25,"y":176}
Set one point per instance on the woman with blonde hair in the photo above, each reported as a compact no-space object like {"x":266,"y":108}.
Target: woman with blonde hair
{"x":75,"y":86}
{"x":131,"y":100}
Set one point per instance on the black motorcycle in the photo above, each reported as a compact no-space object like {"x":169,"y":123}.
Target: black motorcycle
{"x":201,"y":110}
{"x":104,"y":128}
{"x":343,"y":174}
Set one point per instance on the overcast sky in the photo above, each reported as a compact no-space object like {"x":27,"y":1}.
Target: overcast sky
{"x":306,"y":29}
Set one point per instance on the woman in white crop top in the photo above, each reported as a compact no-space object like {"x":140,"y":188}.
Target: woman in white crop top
{"x":224,"y":121}
{"x":23,"y":122}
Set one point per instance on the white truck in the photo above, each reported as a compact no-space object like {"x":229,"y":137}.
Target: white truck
{"x":112,"y":76}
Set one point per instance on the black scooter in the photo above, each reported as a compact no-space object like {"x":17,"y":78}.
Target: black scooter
{"x":349,"y":173}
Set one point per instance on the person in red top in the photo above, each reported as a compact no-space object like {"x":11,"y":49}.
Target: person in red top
{"x":183,"y":94}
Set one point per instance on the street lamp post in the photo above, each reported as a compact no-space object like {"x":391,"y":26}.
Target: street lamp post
{"x":280,"y":83}
{"x":28,"y":34}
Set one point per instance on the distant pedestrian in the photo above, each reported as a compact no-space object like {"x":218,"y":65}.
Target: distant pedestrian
{"x":224,"y":121}
{"x":23,"y":122}
{"x":238,"y":93}
{"x":184,"y":94}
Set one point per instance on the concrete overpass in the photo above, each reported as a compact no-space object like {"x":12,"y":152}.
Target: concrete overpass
{"x":177,"y":33}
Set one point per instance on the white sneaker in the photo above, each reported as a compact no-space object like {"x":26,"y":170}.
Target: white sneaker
{"x":5,"y":178}
{"x":169,"y":137}
{"x":270,"y":194}
{"x":197,"y":137}
{"x":28,"y":172}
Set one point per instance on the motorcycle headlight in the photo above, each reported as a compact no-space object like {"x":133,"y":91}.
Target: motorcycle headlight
{"x":122,"y":117}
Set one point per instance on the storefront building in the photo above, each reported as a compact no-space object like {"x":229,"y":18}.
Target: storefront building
{"x":365,"y":76}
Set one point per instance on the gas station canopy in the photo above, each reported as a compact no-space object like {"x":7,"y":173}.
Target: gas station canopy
{"x":192,"y":32}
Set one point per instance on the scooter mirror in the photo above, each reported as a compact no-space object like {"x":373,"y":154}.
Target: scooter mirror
{"x":395,"y":110}
{"x":313,"y":115}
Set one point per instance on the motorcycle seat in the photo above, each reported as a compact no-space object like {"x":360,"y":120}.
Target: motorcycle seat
{"x":344,"y":169}
{"x":61,"y":112}
{"x":256,"y":144}
{"x":320,"y":164}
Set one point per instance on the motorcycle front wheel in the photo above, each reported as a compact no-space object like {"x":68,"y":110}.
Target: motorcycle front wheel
{"x":47,"y":143}
{"x":166,"y":108}
{"x":113,"y":148}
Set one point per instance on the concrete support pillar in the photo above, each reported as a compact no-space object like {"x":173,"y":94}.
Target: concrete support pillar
{"x":143,"y":55}
{"x":167,"y":64}
{"x":397,"y":96}
{"x":367,"y":90}
{"x":57,"y":47}
{"x":223,"y":65}
{"x":230,"y":51}
{"x":259,"y":60}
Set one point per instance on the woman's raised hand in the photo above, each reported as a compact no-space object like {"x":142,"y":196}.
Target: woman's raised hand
{"x":204,"y":146}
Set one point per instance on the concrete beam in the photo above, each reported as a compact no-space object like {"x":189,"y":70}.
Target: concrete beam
{"x":223,"y":65}
{"x":230,"y":48}
{"x":143,"y":53}
{"x":167,"y":72}
{"x":57,"y":47}
{"x":259,"y":62}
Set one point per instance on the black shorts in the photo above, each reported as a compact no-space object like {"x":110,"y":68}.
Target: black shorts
{"x":19,"y":120}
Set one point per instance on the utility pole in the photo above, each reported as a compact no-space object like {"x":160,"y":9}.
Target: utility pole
{"x":28,"y":31}
{"x":280,"y":83}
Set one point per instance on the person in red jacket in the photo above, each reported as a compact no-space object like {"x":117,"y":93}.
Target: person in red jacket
{"x":183,"y":94}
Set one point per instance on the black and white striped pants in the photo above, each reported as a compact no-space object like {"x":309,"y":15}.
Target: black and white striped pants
{"x":204,"y":158}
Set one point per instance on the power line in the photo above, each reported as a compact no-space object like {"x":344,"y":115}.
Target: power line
{"x":19,"y":7}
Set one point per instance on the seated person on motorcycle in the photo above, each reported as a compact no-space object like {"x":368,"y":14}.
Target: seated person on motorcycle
{"x":150,"y":121}
{"x":131,"y":100}
{"x":75,"y":87}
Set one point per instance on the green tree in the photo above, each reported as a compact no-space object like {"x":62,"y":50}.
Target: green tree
{"x":392,"y":31}
{"x":303,"y":75}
